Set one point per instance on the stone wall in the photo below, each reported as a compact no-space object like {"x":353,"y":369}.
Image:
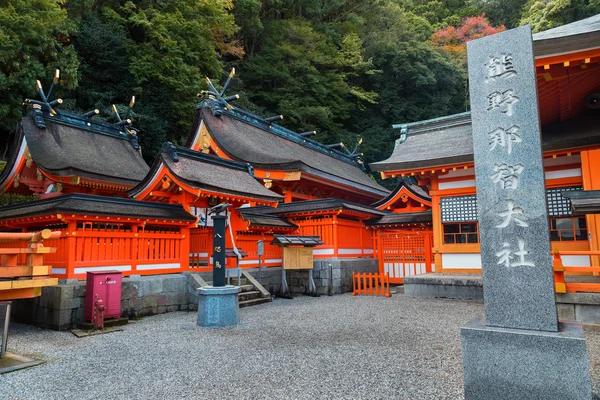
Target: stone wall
{"x":62,"y":307}
{"x":331,"y":276}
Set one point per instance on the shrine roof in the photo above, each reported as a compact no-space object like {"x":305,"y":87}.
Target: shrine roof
{"x":207,"y":172}
{"x":69,"y":144}
{"x":576,"y":36}
{"x":95,"y":205}
{"x":583,"y":201}
{"x":417,"y":191}
{"x":249,"y":138}
{"x":402,"y":218}
{"x":286,"y":240}
{"x":266,"y":221}
{"x":448,"y":140}
{"x":302,"y":207}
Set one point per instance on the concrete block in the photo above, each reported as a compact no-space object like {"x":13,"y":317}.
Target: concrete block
{"x":149,"y":301}
{"x":79,"y":290}
{"x":566,"y":311}
{"x":587,"y":314}
{"x":150,"y":287}
{"x":218,"y":306}
{"x":130,"y":291}
{"x":501,"y":363}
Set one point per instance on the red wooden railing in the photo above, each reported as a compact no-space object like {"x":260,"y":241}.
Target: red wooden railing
{"x":562,"y":286}
{"x":132,"y":252}
{"x":371,"y":284}
{"x":341,"y":237}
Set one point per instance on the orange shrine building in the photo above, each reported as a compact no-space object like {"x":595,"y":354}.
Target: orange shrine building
{"x":437,"y":155}
{"x":115,"y":212}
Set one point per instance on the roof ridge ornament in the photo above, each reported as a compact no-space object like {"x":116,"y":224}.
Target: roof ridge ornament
{"x":171,"y":150}
{"x":219,"y":104}
{"x":46,"y":105}
{"x":126,"y":123}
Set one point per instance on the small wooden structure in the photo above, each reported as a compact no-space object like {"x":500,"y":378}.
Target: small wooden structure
{"x":297,"y":254}
{"x":22,"y":269}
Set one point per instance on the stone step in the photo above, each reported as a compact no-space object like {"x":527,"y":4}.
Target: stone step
{"x":254,"y":302}
{"x":247,"y":288}
{"x":253,"y":294}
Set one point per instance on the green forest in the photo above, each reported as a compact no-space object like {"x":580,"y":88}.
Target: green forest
{"x":345,"y":68}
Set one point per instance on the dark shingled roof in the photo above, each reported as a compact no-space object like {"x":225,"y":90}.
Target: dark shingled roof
{"x":299,"y":207}
{"x":583,"y":201}
{"x":576,"y":36}
{"x":448,"y":140}
{"x":95,"y":205}
{"x":68,"y":147}
{"x":402,"y":218}
{"x":267,"y":221}
{"x":13,"y":158}
{"x":286,"y":240}
{"x":416,"y":190}
{"x":243,"y":137}
{"x":208,"y":172}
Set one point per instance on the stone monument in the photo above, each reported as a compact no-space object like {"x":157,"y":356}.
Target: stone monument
{"x":5,"y":307}
{"x":520,"y":351}
{"x":218,"y":304}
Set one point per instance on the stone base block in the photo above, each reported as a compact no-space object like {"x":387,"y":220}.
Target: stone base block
{"x":501,"y":363}
{"x":218,"y":306}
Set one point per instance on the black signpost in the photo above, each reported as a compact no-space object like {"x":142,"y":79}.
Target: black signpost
{"x":219,"y":244}
{"x":218,"y":304}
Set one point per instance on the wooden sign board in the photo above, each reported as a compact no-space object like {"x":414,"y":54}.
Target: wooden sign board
{"x":297,"y":258}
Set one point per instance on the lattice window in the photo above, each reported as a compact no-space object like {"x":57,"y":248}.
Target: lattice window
{"x":559,"y":206}
{"x":459,"y":209}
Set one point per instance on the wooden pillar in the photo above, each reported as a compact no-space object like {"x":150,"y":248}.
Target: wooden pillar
{"x":288,"y":196}
{"x":184,"y":249}
{"x":436,"y":217}
{"x":590,"y":165}
{"x":71,"y":243}
{"x":334,"y":223}
{"x":133,"y":249}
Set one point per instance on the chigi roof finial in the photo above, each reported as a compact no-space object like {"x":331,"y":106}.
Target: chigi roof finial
{"x":46,"y":106}
{"x":219,"y":103}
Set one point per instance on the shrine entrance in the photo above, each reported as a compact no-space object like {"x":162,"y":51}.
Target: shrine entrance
{"x":405,"y":253}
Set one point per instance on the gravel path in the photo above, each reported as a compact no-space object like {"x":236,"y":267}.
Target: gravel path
{"x":336,"y":347}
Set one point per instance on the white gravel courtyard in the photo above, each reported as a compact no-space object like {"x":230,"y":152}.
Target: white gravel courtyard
{"x":339,"y":347}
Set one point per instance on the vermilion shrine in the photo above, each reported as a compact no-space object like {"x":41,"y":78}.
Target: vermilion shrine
{"x":117,"y":213}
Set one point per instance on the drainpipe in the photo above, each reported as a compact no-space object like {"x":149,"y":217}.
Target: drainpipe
{"x":330,"y":289}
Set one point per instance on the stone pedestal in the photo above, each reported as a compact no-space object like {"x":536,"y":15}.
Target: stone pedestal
{"x":502,"y":363}
{"x":218,"y":306}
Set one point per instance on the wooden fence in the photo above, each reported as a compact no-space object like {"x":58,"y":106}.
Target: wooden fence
{"x":23,"y":269}
{"x":370,"y":284}
{"x":578,"y":277}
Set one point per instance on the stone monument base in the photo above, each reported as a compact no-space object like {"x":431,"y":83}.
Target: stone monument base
{"x":218,"y":306}
{"x":502,"y":363}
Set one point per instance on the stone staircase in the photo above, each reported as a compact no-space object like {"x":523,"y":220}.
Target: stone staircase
{"x":250,"y":294}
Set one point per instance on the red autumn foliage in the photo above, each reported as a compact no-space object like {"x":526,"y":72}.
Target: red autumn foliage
{"x":455,"y":39}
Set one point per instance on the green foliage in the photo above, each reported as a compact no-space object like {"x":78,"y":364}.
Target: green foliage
{"x":547,"y":14}
{"x":341,"y":67}
{"x":302,"y":74}
{"x":34,"y":40}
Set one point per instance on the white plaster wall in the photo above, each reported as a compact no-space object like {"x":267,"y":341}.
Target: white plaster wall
{"x":461,"y":261}
{"x":456,"y":184}
{"x":576,"y":261}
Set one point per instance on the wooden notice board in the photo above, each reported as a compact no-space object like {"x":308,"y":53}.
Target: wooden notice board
{"x":297,"y":258}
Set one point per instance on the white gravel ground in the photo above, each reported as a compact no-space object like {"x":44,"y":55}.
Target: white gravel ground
{"x":337,"y":347}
